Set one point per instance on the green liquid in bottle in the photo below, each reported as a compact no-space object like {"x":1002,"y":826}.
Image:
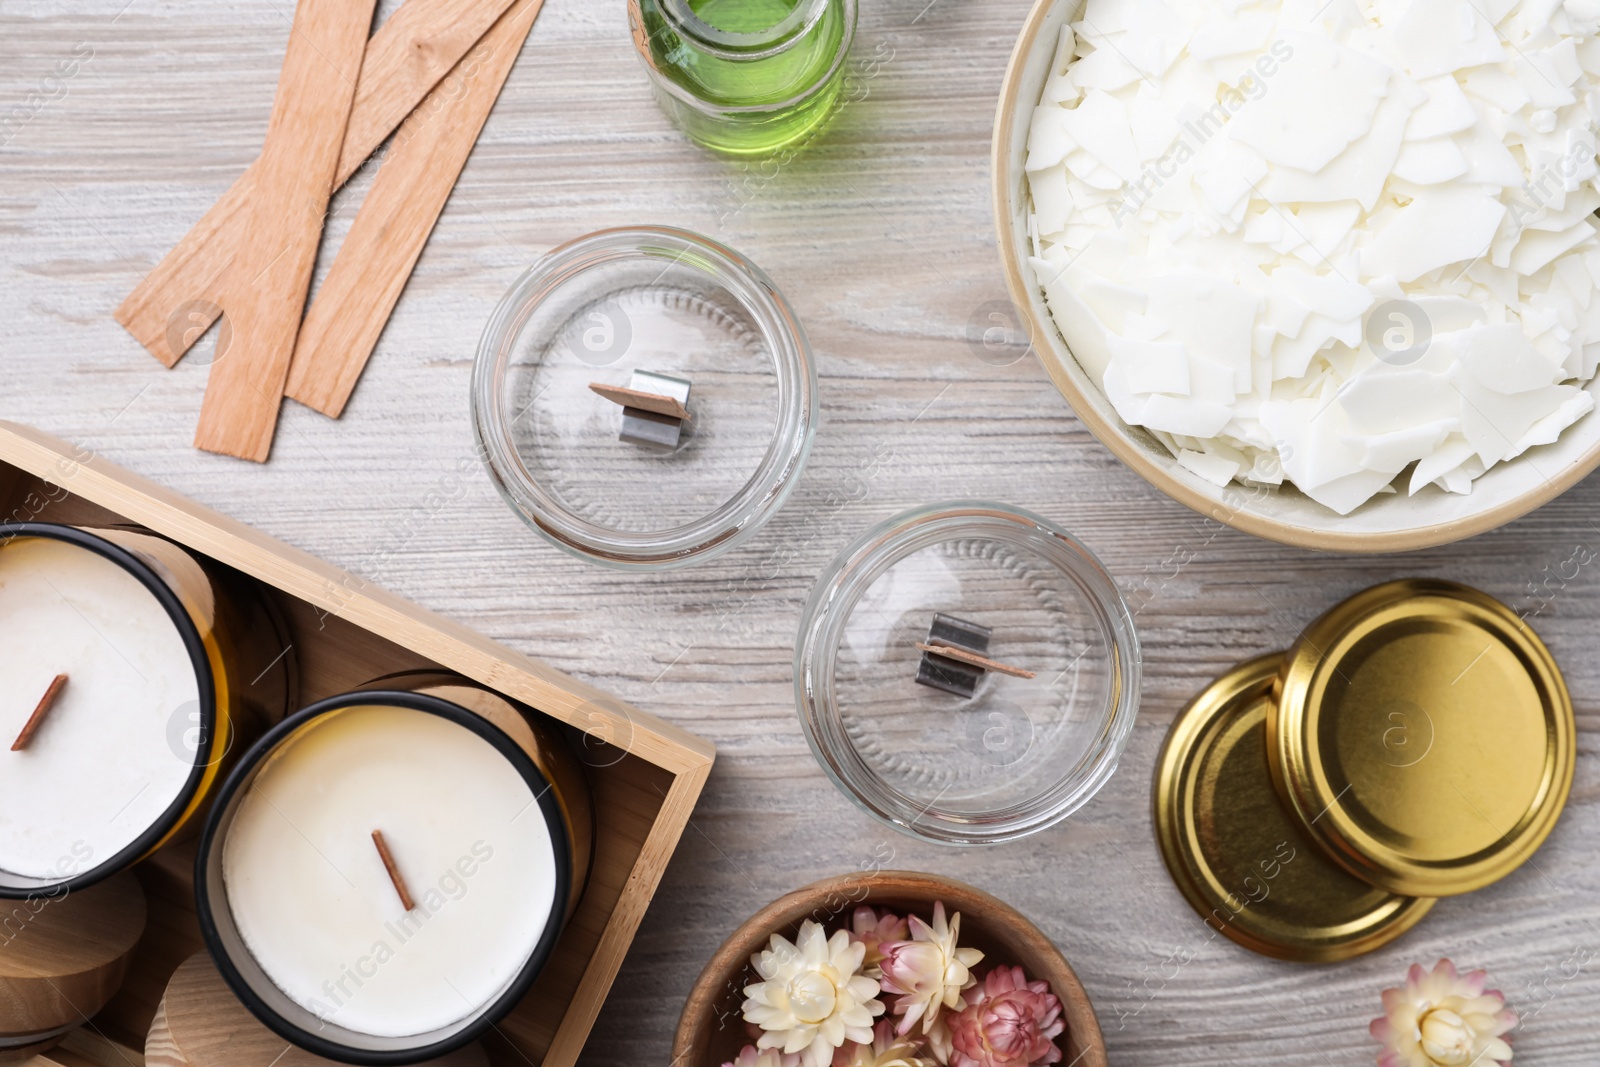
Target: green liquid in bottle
{"x":746,"y":77}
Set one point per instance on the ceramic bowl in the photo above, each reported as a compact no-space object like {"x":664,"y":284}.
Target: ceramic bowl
{"x":711,"y":1032}
{"x":1387,"y":523}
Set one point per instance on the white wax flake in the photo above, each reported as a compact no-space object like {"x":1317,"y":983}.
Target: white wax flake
{"x":1451,"y":224}
{"x":1333,"y":243}
{"x":1446,"y":110}
{"x":1052,"y":199}
{"x":1499,"y":357}
{"x":1213,"y":318}
{"x":1496,"y":423}
{"x":1048,"y":139}
{"x":1430,"y":162}
{"x":1105,"y":69}
{"x":1100,"y":126}
{"x":1225,"y":172}
{"x":1329,"y":295}
{"x":1441,"y":36}
{"x":1340,"y":84}
{"x":1489,"y":162}
{"x":1537,"y":248}
{"x":1152,"y":366}
{"x":1357,"y":174}
{"x":1215,"y":469}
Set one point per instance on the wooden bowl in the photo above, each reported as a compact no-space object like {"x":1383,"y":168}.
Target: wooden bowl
{"x":711,"y":1030}
{"x":1388,"y":523}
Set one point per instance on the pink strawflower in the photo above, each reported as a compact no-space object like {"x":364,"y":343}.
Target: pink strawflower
{"x":1008,"y":1022}
{"x":1440,"y":1018}
{"x":750,"y":1056}
{"x":872,"y":929}
{"x":928,"y":972}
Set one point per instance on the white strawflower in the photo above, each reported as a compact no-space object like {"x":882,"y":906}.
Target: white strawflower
{"x":888,"y":1049}
{"x":813,"y":997}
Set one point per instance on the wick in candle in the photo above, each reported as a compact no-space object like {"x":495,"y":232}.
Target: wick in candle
{"x":961,"y":655}
{"x":394,"y":871}
{"x":36,"y":720}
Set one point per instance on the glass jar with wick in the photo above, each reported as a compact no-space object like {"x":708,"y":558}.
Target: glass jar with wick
{"x":745,"y":77}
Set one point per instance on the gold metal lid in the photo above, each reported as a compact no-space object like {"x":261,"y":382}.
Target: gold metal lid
{"x":1424,"y":736}
{"x":1239,"y":856}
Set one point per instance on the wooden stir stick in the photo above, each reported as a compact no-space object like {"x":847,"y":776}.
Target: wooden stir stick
{"x":403,"y":61}
{"x":264,"y":291}
{"x":399,"y":212}
{"x":40,"y":710}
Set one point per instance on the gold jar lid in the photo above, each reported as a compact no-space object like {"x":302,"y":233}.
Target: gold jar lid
{"x":1238,"y":855}
{"x":1424,"y":736}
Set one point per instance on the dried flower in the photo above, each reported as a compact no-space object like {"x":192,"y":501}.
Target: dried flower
{"x":928,"y":972}
{"x":812,"y":998}
{"x":1008,"y":1022}
{"x":750,"y":1056}
{"x":1443,"y":1019}
{"x":888,"y":1049}
{"x":873,"y":929}
{"x":938,"y":1038}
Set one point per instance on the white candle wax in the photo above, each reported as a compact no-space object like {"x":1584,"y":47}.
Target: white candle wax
{"x":313,"y":901}
{"x":104,"y":765}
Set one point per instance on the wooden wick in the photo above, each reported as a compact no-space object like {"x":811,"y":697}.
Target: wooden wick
{"x":656,"y":403}
{"x":394,"y":871}
{"x":961,"y":655}
{"x":36,"y":720}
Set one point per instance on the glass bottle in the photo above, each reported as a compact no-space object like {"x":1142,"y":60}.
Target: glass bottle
{"x":745,"y":77}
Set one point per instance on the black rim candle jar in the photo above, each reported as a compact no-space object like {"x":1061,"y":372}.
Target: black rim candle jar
{"x":131,"y":675}
{"x":385,"y":875}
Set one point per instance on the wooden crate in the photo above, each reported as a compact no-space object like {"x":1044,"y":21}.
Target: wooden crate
{"x":645,"y":773}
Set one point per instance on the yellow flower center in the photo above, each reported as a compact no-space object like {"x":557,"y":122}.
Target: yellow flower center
{"x":812,"y":997}
{"x":1446,"y":1038}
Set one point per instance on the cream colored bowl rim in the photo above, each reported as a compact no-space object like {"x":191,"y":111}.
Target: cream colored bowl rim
{"x":1085,"y":398}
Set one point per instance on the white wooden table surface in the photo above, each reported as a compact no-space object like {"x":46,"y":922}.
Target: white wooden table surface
{"x":881,"y":237}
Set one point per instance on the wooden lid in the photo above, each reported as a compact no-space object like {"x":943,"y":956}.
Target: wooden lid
{"x":200,"y":1023}
{"x":62,"y":958}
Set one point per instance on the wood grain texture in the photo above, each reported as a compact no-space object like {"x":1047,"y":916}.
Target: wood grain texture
{"x":881,"y":236}
{"x":264,"y":289}
{"x":397,"y":215}
{"x":200,"y":1023}
{"x":62,"y":958}
{"x":176,"y":303}
{"x":88,"y":1047}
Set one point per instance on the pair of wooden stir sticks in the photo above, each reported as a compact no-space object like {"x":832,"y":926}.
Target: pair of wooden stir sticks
{"x":434,"y":71}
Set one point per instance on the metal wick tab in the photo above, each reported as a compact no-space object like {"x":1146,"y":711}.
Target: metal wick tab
{"x":955,"y":656}
{"x":653,"y":408}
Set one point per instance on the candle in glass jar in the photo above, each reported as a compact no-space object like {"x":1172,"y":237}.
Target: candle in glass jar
{"x":97,"y":767}
{"x":323,"y":915}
